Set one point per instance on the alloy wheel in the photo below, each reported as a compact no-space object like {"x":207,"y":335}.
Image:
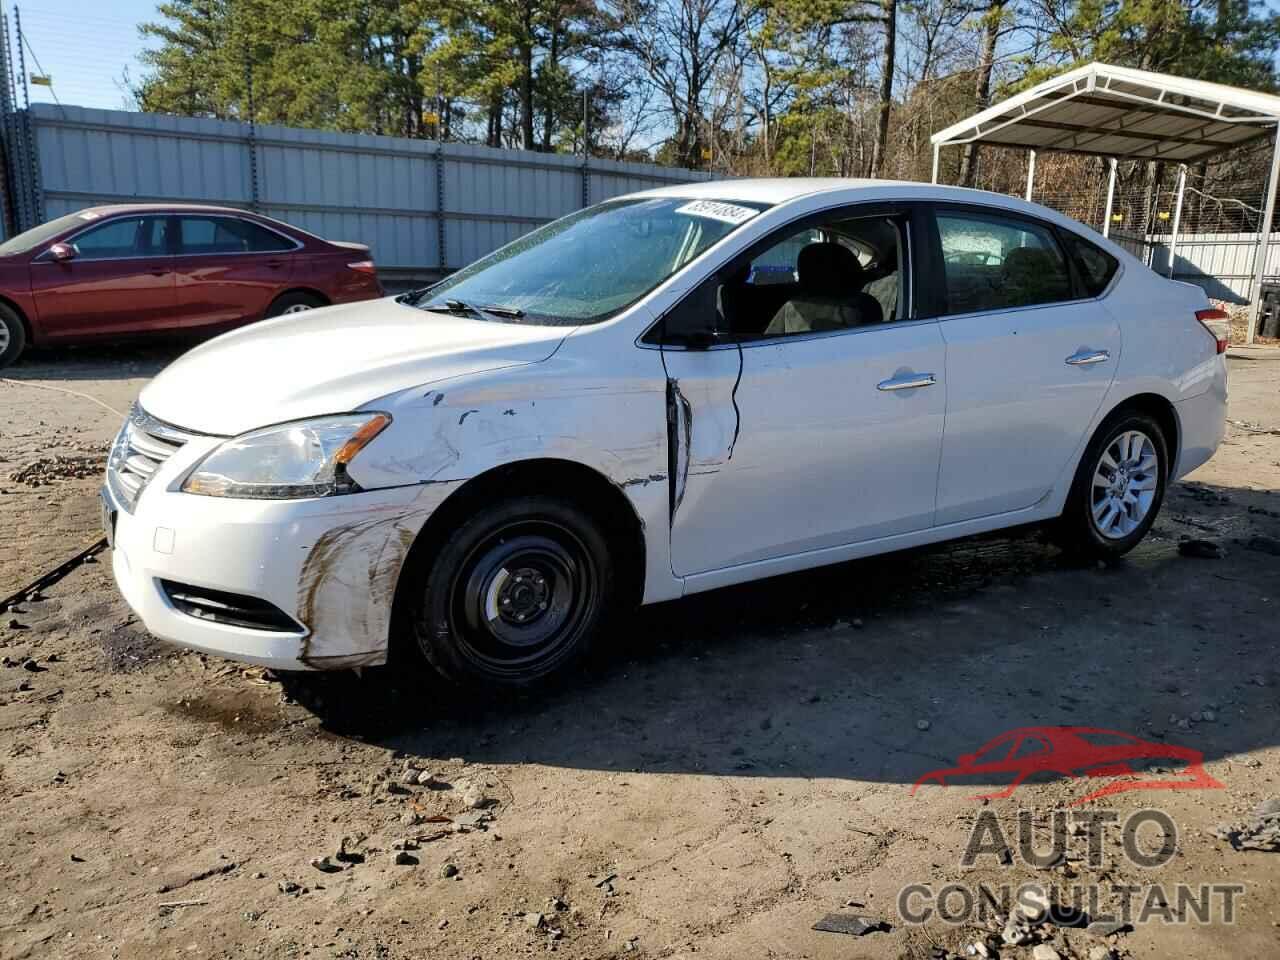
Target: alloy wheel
{"x":297,"y":308}
{"x":5,"y":337}
{"x":1124,"y":484}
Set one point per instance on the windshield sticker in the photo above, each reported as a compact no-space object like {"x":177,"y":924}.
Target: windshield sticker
{"x":717,"y":210}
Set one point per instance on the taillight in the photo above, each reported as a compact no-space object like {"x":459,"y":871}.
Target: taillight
{"x":363,"y":266}
{"x":1218,"y":324}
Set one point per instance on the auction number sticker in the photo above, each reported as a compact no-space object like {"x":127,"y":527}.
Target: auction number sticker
{"x":718,"y":210}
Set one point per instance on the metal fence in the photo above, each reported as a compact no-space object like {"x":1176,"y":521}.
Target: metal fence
{"x":1212,"y":236}
{"x":423,"y":207}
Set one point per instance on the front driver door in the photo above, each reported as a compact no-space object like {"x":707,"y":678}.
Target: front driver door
{"x":119,"y":281}
{"x":794,"y":444}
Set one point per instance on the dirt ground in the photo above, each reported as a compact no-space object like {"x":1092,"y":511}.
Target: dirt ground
{"x":735,"y":767}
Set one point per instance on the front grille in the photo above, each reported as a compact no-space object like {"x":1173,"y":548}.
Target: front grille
{"x":142,"y":445}
{"x":232,"y":609}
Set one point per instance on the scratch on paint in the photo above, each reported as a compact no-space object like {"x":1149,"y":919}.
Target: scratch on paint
{"x":465,"y":415}
{"x":737,"y":414}
{"x":508,"y":412}
{"x":644,"y":481}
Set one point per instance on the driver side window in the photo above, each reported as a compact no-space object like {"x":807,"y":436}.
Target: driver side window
{"x":125,"y":238}
{"x":838,"y":274}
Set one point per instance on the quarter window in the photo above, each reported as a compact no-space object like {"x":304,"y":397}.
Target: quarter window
{"x":997,"y":263}
{"x":203,"y":235}
{"x":124,"y":238}
{"x":1096,"y":266}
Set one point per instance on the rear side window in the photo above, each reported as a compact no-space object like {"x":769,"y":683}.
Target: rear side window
{"x":1096,"y":266}
{"x":203,"y":235}
{"x":997,"y":263}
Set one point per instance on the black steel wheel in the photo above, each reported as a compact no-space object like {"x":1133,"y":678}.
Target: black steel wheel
{"x":515,"y":594}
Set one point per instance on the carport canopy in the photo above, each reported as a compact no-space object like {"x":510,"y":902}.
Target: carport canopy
{"x":1129,"y":114}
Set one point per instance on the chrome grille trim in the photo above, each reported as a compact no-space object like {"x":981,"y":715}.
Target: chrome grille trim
{"x":143,"y":444}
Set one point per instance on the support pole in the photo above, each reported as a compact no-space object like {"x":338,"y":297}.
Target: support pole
{"x":1177,"y":216}
{"x":1111,"y":196}
{"x":1031,"y":173}
{"x":936,"y":147}
{"x":1264,"y":236}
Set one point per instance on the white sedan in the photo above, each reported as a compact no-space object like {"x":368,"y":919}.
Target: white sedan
{"x":665,"y":393}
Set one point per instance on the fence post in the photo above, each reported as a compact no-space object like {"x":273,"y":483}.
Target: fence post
{"x":1111,"y":196}
{"x":1264,"y":238}
{"x":32,"y":177}
{"x":1177,"y":216}
{"x":13,"y":205}
{"x":1031,"y":173}
{"x":936,"y":148}
{"x":440,"y":226}
{"x":251,"y":137}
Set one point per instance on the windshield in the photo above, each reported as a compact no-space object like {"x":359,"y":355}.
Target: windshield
{"x":32,"y":238}
{"x":589,"y":265}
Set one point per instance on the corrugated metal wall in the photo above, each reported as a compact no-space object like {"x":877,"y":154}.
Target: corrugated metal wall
{"x":1221,"y":263}
{"x":387,"y":192}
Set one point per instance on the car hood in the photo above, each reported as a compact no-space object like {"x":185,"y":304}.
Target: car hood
{"x":332,"y":360}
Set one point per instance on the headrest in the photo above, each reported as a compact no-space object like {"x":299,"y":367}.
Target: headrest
{"x":829,"y":269}
{"x":1025,"y":261}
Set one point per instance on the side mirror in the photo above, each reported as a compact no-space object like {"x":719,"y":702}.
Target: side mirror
{"x":62,"y":252}
{"x":695,"y":322}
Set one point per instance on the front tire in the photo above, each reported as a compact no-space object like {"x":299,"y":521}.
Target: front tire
{"x":13,"y":336}
{"x":1118,"y":488}
{"x":515,"y":594}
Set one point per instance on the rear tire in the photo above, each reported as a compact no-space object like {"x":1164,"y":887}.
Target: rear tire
{"x":514,"y":594}
{"x":297,"y":302}
{"x":13,"y":336}
{"x":1118,"y":488}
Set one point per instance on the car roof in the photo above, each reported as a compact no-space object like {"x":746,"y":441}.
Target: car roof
{"x":781,"y":190}
{"x":116,"y":208}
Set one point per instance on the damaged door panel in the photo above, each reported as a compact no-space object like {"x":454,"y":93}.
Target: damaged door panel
{"x":702,"y":421}
{"x":823,"y":456}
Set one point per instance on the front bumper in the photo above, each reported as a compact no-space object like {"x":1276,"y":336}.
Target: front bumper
{"x":330,"y":563}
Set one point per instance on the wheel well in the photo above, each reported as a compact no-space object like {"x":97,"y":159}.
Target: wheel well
{"x":1160,"y":410}
{"x":586,"y":487}
{"x":309,"y":291}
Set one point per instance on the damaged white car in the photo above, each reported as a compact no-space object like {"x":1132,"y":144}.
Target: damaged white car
{"x":661,"y":394}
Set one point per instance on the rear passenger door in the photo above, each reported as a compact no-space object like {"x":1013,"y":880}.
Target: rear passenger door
{"x":1031,"y":352}
{"x":228,"y":269}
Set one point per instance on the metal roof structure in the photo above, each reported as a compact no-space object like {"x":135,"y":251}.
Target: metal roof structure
{"x":1128,"y":114}
{"x":1123,"y":113}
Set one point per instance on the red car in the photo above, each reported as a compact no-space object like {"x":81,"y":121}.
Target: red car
{"x":133,"y":269}
{"x":1089,"y":752}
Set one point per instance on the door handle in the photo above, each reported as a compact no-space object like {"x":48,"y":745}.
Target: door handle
{"x":1085,"y":357}
{"x":907,"y":381}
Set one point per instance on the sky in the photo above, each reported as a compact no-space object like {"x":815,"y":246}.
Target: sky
{"x":85,"y":46}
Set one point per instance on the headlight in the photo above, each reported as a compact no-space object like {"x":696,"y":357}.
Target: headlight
{"x":307,"y":458}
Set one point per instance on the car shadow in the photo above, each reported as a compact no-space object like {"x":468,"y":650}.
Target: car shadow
{"x":886,"y":668}
{"x":126,"y":360}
